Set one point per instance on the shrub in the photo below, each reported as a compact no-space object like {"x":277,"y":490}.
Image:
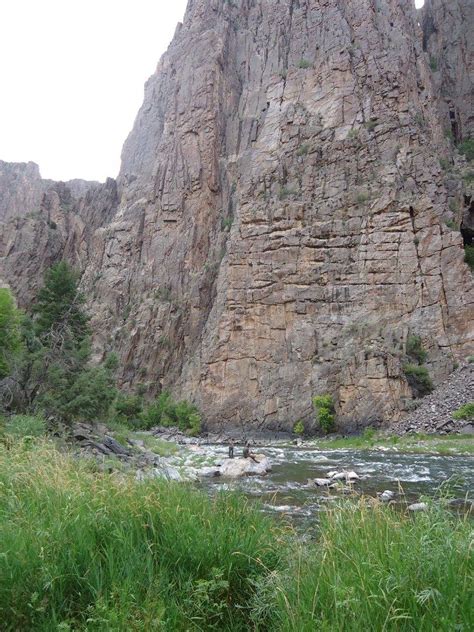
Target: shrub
{"x":465,"y":412}
{"x":467,"y":148}
{"x":353,"y":133}
{"x":415,"y":350}
{"x":304,"y":64}
{"x":450,"y":223}
{"x":433,"y":64}
{"x":324,"y":408}
{"x":128,"y":408}
{"x":369,"y":433}
{"x":469,"y":255}
{"x":362,"y":198}
{"x":444,"y":164}
{"x":418,"y":378}
{"x":166,"y":412}
{"x":370,"y":125}
{"x":298,"y":428}
{"x":303,"y":150}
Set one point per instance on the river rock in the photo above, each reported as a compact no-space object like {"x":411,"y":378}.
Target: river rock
{"x":418,"y":507}
{"x":387,"y":495}
{"x":344,"y":476}
{"x":235,"y":468}
{"x":322,"y":482}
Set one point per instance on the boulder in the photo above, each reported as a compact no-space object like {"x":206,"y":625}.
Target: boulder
{"x":235,"y":468}
{"x":418,"y":507}
{"x":322,"y":482}
{"x":387,"y":495}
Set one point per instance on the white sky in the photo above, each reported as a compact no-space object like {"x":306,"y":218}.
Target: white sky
{"x":71,"y":79}
{"x":72,"y":75}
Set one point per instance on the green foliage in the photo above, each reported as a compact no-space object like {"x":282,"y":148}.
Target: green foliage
{"x":128,"y":408}
{"x":418,"y":378}
{"x":353,"y":133}
{"x":469,"y":255}
{"x":325,"y":414}
{"x":88,"y":551}
{"x":298,"y":428}
{"x":22,"y":426}
{"x":468,"y":176}
{"x":368,"y":434}
{"x":450,"y":223}
{"x":467,"y":148}
{"x":286,"y":192}
{"x":465,"y":412}
{"x":362,"y":198}
{"x":303,"y":150}
{"x":304,"y":64}
{"x":10,"y":339}
{"x":433,"y":64}
{"x":415,"y":350}
{"x":370,"y":125}
{"x":226,"y":223}
{"x":374,"y":568}
{"x":470,"y":359}
{"x":58,"y":307}
{"x":445,"y":164}
{"x":166,"y":412}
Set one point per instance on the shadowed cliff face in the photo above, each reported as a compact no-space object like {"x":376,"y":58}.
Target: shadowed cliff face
{"x":278,"y":225}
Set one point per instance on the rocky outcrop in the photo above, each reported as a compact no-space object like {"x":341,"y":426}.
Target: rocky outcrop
{"x":435,"y":412}
{"x":278,"y":226}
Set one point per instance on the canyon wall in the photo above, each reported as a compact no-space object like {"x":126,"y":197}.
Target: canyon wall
{"x":287,"y":212}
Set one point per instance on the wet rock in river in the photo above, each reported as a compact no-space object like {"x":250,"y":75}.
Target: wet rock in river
{"x":235,"y":468}
{"x":387,"y":495}
{"x":418,"y":507}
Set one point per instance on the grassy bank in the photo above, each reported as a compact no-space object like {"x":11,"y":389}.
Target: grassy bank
{"x":414,"y":443}
{"x":87,"y":551}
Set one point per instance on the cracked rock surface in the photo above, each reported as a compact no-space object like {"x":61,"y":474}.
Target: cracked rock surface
{"x":278,"y":226}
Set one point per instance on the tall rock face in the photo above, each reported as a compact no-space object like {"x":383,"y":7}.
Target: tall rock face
{"x":278,"y":227}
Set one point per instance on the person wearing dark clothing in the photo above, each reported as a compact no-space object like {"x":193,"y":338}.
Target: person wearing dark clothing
{"x":247,"y":454}
{"x":231,"y":449}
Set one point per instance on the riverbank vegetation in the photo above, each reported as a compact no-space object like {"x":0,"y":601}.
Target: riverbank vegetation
{"x":415,"y":443}
{"x":82,"y":550}
{"x":46,"y":368}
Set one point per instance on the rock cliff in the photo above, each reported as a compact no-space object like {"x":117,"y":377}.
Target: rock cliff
{"x":278,"y":227}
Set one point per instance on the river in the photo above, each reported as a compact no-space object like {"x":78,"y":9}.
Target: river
{"x":288,"y":489}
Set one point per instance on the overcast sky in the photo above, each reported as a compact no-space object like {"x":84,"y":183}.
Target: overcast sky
{"x":72,"y":75}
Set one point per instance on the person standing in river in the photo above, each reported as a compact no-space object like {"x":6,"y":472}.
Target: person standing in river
{"x":231,"y":449}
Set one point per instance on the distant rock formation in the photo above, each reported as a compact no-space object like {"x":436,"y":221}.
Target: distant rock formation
{"x":278,"y":227}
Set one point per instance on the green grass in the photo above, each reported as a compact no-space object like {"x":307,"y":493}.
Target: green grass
{"x":156,"y":445}
{"x":375,"y":569}
{"x":465,"y":412}
{"x":412,"y":443}
{"x":94,"y":552}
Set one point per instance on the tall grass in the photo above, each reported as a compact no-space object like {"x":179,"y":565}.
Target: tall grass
{"x":377,"y":569}
{"x":81,"y":550}
{"x":92,"y":552}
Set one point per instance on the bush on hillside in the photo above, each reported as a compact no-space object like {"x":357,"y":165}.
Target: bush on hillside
{"x":465,"y":412}
{"x":419,"y":379}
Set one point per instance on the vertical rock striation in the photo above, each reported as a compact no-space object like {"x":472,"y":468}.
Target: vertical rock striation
{"x":277,"y":228}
